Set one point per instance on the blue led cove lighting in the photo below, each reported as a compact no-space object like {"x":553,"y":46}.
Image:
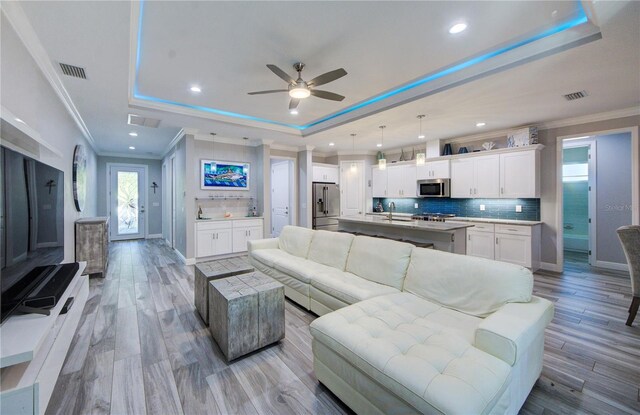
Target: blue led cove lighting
{"x":581,"y":19}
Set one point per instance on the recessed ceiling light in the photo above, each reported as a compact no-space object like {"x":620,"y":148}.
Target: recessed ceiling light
{"x":379,"y":145}
{"x":293,"y":112}
{"x":195,"y":88}
{"x":421,"y":136}
{"x":132,"y":148}
{"x":481,"y":124}
{"x":457,"y":28}
{"x":133,"y":134}
{"x":19,"y":120}
{"x":332,"y":144}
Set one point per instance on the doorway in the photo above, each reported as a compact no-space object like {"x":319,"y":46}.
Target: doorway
{"x":595,"y":197}
{"x":282,"y":194}
{"x":578,"y":200}
{"x":169,"y":205}
{"x":127,"y":201}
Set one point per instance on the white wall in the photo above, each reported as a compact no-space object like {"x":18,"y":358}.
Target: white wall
{"x":28,"y":95}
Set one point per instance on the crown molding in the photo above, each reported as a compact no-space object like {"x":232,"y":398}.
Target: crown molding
{"x":175,"y":140}
{"x":585,"y":119}
{"x":130,"y":156}
{"x":357,"y":153}
{"x":20,"y":23}
{"x":265,"y":142}
{"x":282,"y":147}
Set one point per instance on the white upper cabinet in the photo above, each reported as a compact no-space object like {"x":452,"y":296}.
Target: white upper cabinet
{"x":401,"y":181}
{"x":519,"y":174}
{"x":326,"y":173}
{"x":510,"y":174}
{"x":434,"y":170}
{"x":378,"y":182}
{"x":462,"y":178}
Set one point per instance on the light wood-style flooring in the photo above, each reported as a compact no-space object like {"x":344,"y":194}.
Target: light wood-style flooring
{"x":141,"y":348}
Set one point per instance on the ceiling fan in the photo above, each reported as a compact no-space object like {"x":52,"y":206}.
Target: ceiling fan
{"x":299,"y":89}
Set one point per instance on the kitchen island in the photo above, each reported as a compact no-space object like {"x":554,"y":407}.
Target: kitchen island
{"x":445,"y":236}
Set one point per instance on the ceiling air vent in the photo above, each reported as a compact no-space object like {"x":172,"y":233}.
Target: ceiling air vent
{"x":143,"y":121}
{"x":575,"y":95}
{"x":75,"y":71}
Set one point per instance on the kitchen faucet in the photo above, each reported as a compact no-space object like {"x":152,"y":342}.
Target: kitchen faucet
{"x":392,"y":206}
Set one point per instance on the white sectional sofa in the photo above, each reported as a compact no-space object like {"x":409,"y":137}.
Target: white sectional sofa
{"x":405,"y":329}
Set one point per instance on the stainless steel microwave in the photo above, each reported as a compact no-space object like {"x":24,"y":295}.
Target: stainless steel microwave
{"x":434,"y":188}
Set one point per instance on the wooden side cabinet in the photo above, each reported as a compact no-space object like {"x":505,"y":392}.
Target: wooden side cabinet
{"x":92,"y":244}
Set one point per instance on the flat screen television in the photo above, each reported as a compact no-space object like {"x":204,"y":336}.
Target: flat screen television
{"x":32,"y":228}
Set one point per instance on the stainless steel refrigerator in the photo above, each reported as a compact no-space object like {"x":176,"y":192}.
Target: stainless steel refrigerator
{"x":326,"y":206}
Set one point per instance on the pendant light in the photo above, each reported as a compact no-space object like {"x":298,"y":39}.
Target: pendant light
{"x":354,"y":166}
{"x":421,"y":157}
{"x":382,"y":162}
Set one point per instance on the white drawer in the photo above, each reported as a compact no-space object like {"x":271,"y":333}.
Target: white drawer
{"x":481,"y":227}
{"x":204,"y":226}
{"x":247,"y":223}
{"x":514,"y":229}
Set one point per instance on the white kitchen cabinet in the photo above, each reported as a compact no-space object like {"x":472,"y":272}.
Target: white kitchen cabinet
{"x":224,"y":237}
{"x":480,"y":240}
{"x":378,"y":182}
{"x":434,"y":170}
{"x":462,"y":178}
{"x":401,"y":181}
{"x":475,"y":177}
{"x":326,"y":173}
{"x":515,"y":249}
{"x":519,"y":174}
{"x":245,"y":231}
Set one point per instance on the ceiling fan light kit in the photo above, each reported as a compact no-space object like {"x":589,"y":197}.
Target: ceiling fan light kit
{"x":300,"y":89}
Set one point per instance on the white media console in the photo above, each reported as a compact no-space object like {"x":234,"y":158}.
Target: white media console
{"x":33,"y":348}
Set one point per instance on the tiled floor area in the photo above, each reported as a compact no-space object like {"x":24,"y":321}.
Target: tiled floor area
{"x":142,"y":348}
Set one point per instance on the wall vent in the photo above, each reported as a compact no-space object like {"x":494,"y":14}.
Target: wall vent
{"x":75,"y":71}
{"x":575,"y":95}
{"x":143,"y":121}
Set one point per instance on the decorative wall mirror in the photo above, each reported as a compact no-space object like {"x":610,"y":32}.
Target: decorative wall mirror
{"x":79,"y":177}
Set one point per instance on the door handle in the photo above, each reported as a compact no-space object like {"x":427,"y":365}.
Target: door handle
{"x":141,"y":209}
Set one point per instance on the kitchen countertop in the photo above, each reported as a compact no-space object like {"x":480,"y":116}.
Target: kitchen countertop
{"x":228,"y":219}
{"x":417,"y":225}
{"x":497,"y":221}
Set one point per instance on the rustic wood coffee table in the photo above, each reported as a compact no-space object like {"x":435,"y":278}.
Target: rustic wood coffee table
{"x":246,"y":313}
{"x":207,"y":271}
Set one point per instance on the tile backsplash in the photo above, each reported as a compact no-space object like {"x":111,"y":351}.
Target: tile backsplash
{"x":494,"y":208}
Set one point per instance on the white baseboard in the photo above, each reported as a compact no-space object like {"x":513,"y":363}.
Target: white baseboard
{"x":154,"y":236}
{"x":550,"y":266}
{"x":189,"y":261}
{"x":612,"y":265}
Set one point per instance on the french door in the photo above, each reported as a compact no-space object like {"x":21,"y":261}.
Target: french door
{"x":127,"y":201}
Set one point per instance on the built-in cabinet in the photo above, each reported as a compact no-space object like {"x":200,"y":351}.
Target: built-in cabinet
{"x":509,"y":175}
{"x":394,"y":181}
{"x":326,"y":173}
{"x":434,"y":170}
{"x":226,"y":237}
{"x":516,"y":244}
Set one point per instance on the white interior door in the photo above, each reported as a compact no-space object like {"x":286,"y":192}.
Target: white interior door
{"x":127,"y":201}
{"x":280,"y":196}
{"x":352,"y":181}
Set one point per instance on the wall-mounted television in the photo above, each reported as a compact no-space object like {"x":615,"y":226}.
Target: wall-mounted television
{"x":32,"y":228}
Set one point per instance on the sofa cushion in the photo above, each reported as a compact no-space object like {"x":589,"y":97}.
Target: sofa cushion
{"x":300,"y":268}
{"x":418,"y":350}
{"x":348,"y":287}
{"x":475,"y":286}
{"x":295,"y":240}
{"x":379,"y":260}
{"x":269,"y":256}
{"x":330,"y":248}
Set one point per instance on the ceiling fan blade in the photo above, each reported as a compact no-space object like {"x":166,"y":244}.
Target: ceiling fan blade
{"x":326,"y":95}
{"x":282,"y":74}
{"x":325,"y":78}
{"x":271,"y":91}
{"x":293,"y":103}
